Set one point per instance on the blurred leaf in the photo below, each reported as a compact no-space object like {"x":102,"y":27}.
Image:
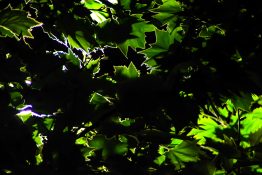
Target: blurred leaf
{"x":125,"y":4}
{"x":16,"y":98}
{"x":160,"y":159}
{"x":97,"y":142}
{"x":208,"y":32}
{"x":121,"y":148}
{"x":81,"y":141}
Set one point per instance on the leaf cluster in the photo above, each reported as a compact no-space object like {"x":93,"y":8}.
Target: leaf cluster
{"x":130,"y":87}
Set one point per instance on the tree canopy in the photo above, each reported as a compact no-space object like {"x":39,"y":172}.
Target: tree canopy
{"x":129,"y":87}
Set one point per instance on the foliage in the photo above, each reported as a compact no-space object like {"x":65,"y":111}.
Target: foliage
{"x":130,"y":87}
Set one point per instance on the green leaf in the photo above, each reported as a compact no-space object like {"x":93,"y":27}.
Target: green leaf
{"x":98,"y":142}
{"x":138,"y":31}
{"x":162,"y":150}
{"x":242,"y":101}
{"x":93,"y":4}
{"x":93,"y":65}
{"x":81,"y":141}
{"x":16,"y":98}
{"x":70,"y":56}
{"x":126,"y":72}
{"x":99,"y":100}
{"x":187,"y":151}
{"x":24,"y":115}
{"x":160,"y":160}
{"x":121,"y":148}
{"x":127,"y":122}
{"x":125,"y":4}
{"x":16,"y":23}
{"x":78,"y":32}
{"x":256,"y":137}
{"x":167,"y":13}
{"x":206,"y":129}
{"x":48,"y":123}
{"x":163,"y":41}
{"x":169,"y":6}
{"x":73,"y":58}
{"x":252,"y":122}
{"x":208,"y":32}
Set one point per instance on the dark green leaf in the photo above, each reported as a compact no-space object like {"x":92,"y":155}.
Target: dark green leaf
{"x":16,"y":23}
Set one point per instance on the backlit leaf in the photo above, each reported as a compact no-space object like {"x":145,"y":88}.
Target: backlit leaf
{"x":160,"y":159}
{"x":252,"y":121}
{"x":167,"y":13}
{"x":126,"y":72}
{"x":187,"y":151}
{"x":138,"y":41}
{"x":163,"y":41}
{"x":16,"y":23}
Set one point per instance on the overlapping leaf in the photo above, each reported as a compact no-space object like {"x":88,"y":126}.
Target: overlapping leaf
{"x":167,"y":13}
{"x":179,"y":154}
{"x":252,"y":121}
{"x":138,"y":41}
{"x":164,"y":40}
{"x":16,"y":23}
{"x":78,"y":32}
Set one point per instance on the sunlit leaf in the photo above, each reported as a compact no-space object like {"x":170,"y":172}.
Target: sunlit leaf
{"x":160,"y":159}
{"x":167,"y":13}
{"x":24,"y":115}
{"x":138,"y":41}
{"x":187,"y":151}
{"x":126,"y":72}
{"x":98,"y":100}
{"x":252,"y":121}
{"x":163,"y":41}
{"x":16,"y":23}
{"x":49,"y":123}
{"x":81,"y":141}
{"x":73,"y":58}
{"x":93,"y":65}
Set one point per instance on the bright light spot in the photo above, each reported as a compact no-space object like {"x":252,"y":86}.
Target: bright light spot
{"x":113,"y":1}
{"x":64,"y":68}
{"x":11,"y":85}
{"x":28,"y":82}
{"x":23,"y":113}
{"x":97,"y":17}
